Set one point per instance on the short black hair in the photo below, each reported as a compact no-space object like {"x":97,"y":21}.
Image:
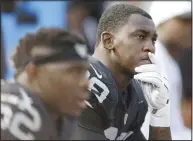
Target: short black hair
{"x":44,"y":37}
{"x":116,"y":16}
{"x":185,"y":65}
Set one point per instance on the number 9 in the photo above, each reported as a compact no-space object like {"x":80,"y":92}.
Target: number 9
{"x":94,"y":81}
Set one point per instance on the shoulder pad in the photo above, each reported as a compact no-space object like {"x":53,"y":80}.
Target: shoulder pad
{"x":103,"y":86}
{"x":102,"y":83}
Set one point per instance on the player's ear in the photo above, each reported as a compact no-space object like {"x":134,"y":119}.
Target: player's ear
{"x":31,"y":70}
{"x":107,"y":40}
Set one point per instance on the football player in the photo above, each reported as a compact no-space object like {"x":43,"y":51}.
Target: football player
{"x":185,"y":64}
{"x":125,"y":50}
{"x":50,"y":83}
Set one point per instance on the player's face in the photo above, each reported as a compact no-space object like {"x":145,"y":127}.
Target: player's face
{"x":176,"y":41}
{"x":133,"y":42}
{"x":65,"y":85}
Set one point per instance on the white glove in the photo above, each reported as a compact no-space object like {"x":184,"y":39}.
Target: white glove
{"x":156,"y":92}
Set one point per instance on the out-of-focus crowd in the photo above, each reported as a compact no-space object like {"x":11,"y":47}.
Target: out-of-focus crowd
{"x":172,"y":19}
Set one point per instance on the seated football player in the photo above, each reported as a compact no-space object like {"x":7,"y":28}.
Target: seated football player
{"x":185,"y":64}
{"x":125,"y":80}
{"x":50,"y":84}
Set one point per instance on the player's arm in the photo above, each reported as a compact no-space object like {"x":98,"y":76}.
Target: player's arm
{"x":156,"y":91}
{"x":160,"y":125}
{"x":159,"y":133}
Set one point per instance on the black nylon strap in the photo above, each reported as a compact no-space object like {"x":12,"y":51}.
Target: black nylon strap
{"x":57,"y":57}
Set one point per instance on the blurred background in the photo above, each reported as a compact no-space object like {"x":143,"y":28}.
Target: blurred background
{"x":172,"y":19}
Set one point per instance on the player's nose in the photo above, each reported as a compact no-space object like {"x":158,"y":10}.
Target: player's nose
{"x":84,"y":83}
{"x":149,"y":47}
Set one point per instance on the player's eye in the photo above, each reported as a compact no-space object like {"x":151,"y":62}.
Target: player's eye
{"x":140,"y":37}
{"x":154,"y":40}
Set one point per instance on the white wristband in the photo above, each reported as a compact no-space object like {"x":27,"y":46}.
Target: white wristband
{"x":161,"y":118}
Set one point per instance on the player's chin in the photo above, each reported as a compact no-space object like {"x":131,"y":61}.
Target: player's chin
{"x":77,"y":109}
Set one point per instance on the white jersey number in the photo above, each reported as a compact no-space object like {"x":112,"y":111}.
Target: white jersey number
{"x":12,"y":122}
{"x":97,"y":85}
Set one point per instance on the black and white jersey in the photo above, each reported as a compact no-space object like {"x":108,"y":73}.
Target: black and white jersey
{"x":111,"y":113}
{"x":23,"y":115}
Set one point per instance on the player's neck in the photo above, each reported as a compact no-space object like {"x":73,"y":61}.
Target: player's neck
{"x":52,"y":113}
{"x":122,"y":79}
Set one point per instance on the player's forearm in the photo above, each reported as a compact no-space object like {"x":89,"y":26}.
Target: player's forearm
{"x":159,"y":133}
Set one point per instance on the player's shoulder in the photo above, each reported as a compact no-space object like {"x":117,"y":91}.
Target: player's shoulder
{"x":97,"y":69}
{"x":14,"y":94}
{"x":102,"y":83}
{"x":9,"y":87}
{"x":11,"y":94}
{"x":20,"y":113}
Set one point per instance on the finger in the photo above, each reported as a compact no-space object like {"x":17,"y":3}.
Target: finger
{"x":161,"y":96}
{"x":152,"y":58}
{"x":146,"y":68}
{"x":158,"y":102}
{"x":166,"y":83}
{"x":152,"y":98}
{"x":150,"y":75}
{"x":148,"y":97}
{"x":149,"y":78}
{"x":161,"y":101}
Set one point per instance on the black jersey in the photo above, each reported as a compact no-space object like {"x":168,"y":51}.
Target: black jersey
{"x":111,"y":114}
{"x":23,"y":115}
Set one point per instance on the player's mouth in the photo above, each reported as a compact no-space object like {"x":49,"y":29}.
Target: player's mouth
{"x":145,"y":60}
{"x":82,"y":104}
{"x":81,"y":101}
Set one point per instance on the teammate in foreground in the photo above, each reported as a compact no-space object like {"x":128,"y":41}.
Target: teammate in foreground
{"x":50,"y":83}
{"x":117,"y":108}
{"x":185,"y":64}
